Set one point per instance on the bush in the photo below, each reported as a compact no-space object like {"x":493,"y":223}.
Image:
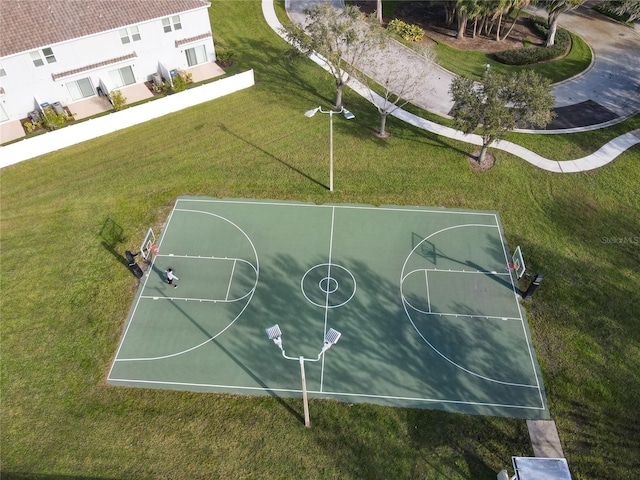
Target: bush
{"x":52,"y":120}
{"x":179,"y":83}
{"x":31,"y":126}
{"x":531,"y":55}
{"x":224,"y":55}
{"x":118,"y":100}
{"x":410,"y":33}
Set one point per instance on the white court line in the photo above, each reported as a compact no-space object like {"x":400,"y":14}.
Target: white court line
{"x":426,"y":282}
{"x":345,"y":207}
{"x":326,"y":305}
{"x":341,"y":394}
{"x":463,"y":315}
{"x":189,"y":299}
{"x":448,"y":270}
{"x":251,"y":292}
{"x":231,"y":279}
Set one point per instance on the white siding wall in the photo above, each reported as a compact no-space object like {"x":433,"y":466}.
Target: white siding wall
{"x":24,"y":81}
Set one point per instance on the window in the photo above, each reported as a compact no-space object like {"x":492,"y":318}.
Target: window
{"x":167,"y":23}
{"x":80,"y":89}
{"x":127,"y":35}
{"x":196,"y":55}
{"x":37,"y":59}
{"x":122,"y":76}
{"x":47,"y":53}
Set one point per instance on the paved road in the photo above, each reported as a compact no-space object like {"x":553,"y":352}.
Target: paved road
{"x":610,"y":88}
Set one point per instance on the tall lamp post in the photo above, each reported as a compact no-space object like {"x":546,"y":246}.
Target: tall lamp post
{"x":348,"y":115}
{"x":330,"y":338}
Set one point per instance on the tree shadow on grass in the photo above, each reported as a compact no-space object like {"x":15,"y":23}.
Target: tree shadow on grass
{"x":225,"y":129}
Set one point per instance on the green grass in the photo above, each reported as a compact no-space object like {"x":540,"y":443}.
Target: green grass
{"x":471,"y":63}
{"x":65,"y":295}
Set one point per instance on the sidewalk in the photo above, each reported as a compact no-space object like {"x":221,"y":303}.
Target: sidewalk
{"x":437,"y":97}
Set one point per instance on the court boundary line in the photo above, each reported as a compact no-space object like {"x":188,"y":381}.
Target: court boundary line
{"x":326,"y":301}
{"x":331,"y":393}
{"x":408,"y":209}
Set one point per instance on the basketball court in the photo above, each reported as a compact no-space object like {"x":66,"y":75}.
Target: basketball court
{"x":423,"y":304}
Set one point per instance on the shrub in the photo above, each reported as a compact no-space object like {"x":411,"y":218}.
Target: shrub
{"x":31,"y":126}
{"x":118,"y":100}
{"x":52,"y":120}
{"x":179,"y":83}
{"x":410,"y":33}
{"x":224,"y":55}
{"x":531,"y":55}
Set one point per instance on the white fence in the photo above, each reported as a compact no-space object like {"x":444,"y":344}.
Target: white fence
{"x":81,"y":132}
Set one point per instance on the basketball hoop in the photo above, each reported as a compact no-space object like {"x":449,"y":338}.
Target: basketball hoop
{"x":155,"y":249}
{"x":511,"y":266}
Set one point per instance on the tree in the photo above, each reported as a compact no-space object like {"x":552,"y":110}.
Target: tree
{"x":339,"y":36}
{"x":398,"y":84}
{"x":518,"y":5}
{"x":623,"y":8}
{"x":554,"y":9}
{"x":500,"y":104}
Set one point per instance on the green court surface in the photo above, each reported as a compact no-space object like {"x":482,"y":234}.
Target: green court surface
{"x":427,"y":308}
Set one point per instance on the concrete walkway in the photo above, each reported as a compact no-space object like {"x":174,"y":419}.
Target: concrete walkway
{"x":437,"y":98}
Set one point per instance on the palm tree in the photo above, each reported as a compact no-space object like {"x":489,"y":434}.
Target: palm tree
{"x":465,"y":10}
{"x":519,"y":5}
{"x":554,"y":9}
{"x":629,"y":8}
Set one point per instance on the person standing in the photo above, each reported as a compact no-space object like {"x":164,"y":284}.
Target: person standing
{"x":171,"y":277}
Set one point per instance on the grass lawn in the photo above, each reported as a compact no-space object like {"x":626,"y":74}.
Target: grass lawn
{"x":65,"y":295}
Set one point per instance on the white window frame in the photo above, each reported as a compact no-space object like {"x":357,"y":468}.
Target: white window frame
{"x":38,"y":57}
{"x":171,"y":23}
{"x":76,"y":89}
{"x":121,"y":82}
{"x":199,"y":53}
{"x":128,"y":35}
{"x":49,"y":56}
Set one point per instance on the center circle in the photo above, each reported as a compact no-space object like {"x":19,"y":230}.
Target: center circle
{"x":328,"y":285}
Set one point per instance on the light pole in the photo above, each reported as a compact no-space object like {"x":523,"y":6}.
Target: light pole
{"x":348,"y":115}
{"x":330,"y":338}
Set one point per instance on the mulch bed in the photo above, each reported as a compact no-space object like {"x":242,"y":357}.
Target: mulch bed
{"x":430,"y":17}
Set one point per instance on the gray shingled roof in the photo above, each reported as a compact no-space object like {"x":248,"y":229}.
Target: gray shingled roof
{"x":31,"y":24}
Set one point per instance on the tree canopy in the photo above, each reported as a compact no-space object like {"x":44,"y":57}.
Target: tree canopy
{"x":500,"y":104}
{"x":339,"y":36}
